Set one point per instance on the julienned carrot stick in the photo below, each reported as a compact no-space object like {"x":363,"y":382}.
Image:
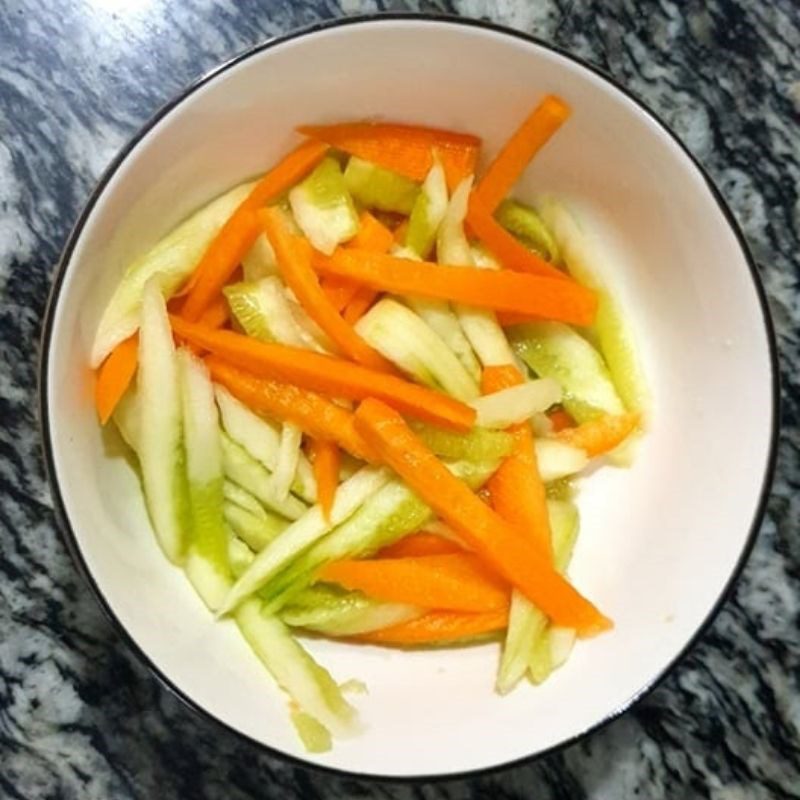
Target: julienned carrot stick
{"x":560,"y":419}
{"x":400,"y":232}
{"x":359,"y":304}
{"x":326,"y":459}
{"x":313,"y":414}
{"x":294,"y":261}
{"x":326,"y":374}
{"x":420,"y":544}
{"x":241,"y":230}
{"x":407,"y":149}
{"x":454,"y":581}
{"x":499,"y":544}
{"x":523,"y":145}
{"x":502,"y":290}
{"x":439,"y":627}
{"x":509,"y":318}
{"x":217,"y":314}
{"x":372,"y":235}
{"x":339,"y":291}
{"x":599,"y":435}
{"x":504,"y":247}
{"x":114,"y":377}
{"x":517,"y":492}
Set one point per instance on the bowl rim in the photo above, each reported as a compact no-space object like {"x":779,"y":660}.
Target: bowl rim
{"x":68,"y":534}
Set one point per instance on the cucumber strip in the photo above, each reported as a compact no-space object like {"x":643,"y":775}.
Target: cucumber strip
{"x":126,"y":418}
{"x":235,"y":495}
{"x":583,"y":256}
{"x":378,"y":188}
{"x":562,"y":640}
{"x":554,"y":350}
{"x":261,"y":439}
{"x":288,"y":458}
{"x":244,"y":470}
{"x":516,"y":404}
{"x":525,"y":224}
{"x":558,"y":460}
{"x":564,"y":525}
{"x":308,"y":684}
{"x":480,"y":325}
{"x":207,"y":565}
{"x":428,"y":212}
{"x":304,"y":532}
{"x":478,"y":444}
{"x":316,"y":738}
{"x":264,"y":312}
{"x":240,"y":556}
{"x":259,"y":261}
{"x":172,"y":260}
{"x":440,"y":316}
{"x":387,"y":516}
{"x":257,"y":532}
{"x":323,"y":208}
{"x":161,"y":452}
{"x":405,"y":339}
{"x":333,"y":611}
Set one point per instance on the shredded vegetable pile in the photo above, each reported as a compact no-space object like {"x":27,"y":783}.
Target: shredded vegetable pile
{"x":359,"y":391}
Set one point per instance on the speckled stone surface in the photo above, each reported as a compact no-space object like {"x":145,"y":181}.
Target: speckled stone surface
{"x":80,"y":717}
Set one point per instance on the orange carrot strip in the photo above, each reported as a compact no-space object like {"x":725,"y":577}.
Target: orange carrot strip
{"x":327,"y":374}
{"x":504,"y":290}
{"x":339,"y":291}
{"x":407,"y":149}
{"x":237,"y":235}
{"x":360,"y":304}
{"x":438,"y":627}
{"x":326,"y":459}
{"x":372,"y":235}
{"x":294,"y":261}
{"x":560,"y":419}
{"x":499,"y":544}
{"x":504,"y":247}
{"x":509,"y":318}
{"x":313,"y":414}
{"x":420,"y":544}
{"x":523,"y":145}
{"x":114,"y":376}
{"x":599,"y":435}
{"x":217,"y":314}
{"x":400,"y":232}
{"x":516,"y":488}
{"x":455,"y":581}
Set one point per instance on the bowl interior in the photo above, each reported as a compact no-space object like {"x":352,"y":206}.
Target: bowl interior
{"x":658,"y":542}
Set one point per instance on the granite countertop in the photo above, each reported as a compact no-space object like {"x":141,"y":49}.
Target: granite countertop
{"x":80,"y":716}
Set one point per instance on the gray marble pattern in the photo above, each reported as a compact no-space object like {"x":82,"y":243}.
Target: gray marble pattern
{"x":80,"y":716}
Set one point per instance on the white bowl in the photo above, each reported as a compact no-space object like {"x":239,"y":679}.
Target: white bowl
{"x":660,"y":542}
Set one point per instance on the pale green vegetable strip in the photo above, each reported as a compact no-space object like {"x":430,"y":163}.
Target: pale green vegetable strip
{"x":558,"y":460}
{"x":126,"y":418}
{"x":562,"y":640}
{"x":428,"y":212}
{"x":308,"y":684}
{"x":405,"y":339}
{"x":583,"y":257}
{"x":244,"y":470}
{"x":316,"y":738}
{"x":288,"y":458}
{"x":260,"y":261}
{"x":207,"y":563}
{"x":261,"y":439}
{"x":333,"y":611}
{"x":240,"y":556}
{"x":554,"y":350}
{"x":480,"y":325}
{"x":478,"y":444}
{"x":526,"y":624}
{"x":160,"y":427}
{"x":305,"y":532}
{"x":265,"y":312}
{"x":323,"y":208}
{"x":256,"y":531}
{"x":525,"y":224}
{"x":172,"y":260}
{"x":241,"y":497}
{"x":385,"y":517}
{"x":375,"y":187}
{"x":515,"y":404}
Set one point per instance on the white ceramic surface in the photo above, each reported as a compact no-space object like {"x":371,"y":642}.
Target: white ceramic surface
{"x":659,"y":541}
